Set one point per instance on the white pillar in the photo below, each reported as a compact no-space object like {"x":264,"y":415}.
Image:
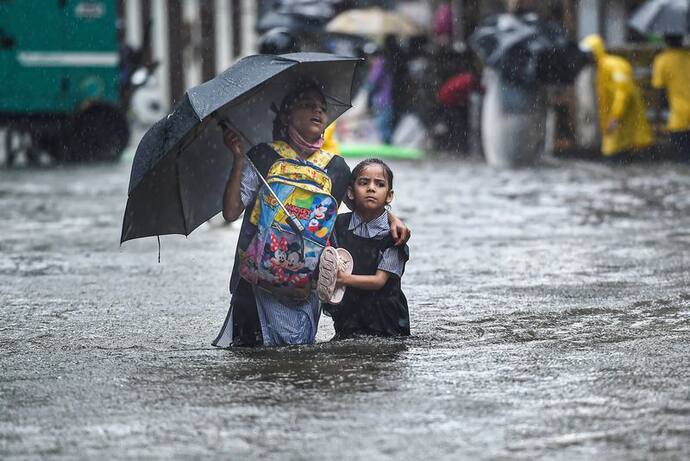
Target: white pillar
{"x":589,"y":21}
{"x":249,"y":38}
{"x":192,"y":56}
{"x":133,"y":25}
{"x":588,"y":18}
{"x":223,"y":35}
{"x":159,"y":14}
{"x":616,"y":27}
{"x":458,"y":22}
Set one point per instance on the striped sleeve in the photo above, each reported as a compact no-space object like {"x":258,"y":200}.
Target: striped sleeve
{"x":393,"y":261}
{"x":249,"y":185}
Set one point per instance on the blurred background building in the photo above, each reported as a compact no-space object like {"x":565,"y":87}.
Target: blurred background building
{"x":183,"y":43}
{"x":193,"y":40}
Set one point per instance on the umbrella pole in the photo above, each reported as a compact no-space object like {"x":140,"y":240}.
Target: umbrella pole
{"x":291,"y":220}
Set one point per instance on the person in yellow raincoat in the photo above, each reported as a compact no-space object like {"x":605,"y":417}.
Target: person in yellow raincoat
{"x":671,"y":72}
{"x":329,"y":142}
{"x":622,"y":120}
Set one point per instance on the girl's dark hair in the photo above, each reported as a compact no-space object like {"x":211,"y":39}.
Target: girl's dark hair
{"x":280,"y":128}
{"x":387,"y":172}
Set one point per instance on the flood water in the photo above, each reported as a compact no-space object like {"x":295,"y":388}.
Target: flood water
{"x":550,"y":314}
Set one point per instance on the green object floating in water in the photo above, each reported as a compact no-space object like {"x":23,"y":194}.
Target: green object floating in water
{"x":380,"y":150}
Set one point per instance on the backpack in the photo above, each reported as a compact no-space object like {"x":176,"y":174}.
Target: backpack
{"x":278,"y":259}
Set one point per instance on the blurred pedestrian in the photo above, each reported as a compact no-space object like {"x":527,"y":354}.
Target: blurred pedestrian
{"x":453,"y":98}
{"x":513,"y":126}
{"x":622,"y":118}
{"x":671,"y":73}
{"x":524,"y":56}
{"x":442,"y":24}
{"x":419,"y":75}
{"x":386,"y":86}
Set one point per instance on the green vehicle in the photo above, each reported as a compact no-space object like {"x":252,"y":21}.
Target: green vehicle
{"x":59,"y":68}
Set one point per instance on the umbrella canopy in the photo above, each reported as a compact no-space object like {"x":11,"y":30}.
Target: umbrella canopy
{"x":291,"y":21}
{"x":181,"y":165}
{"x":662,"y":17}
{"x":297,"y":16}
{"x":527,"y":50}
{"x":373,"y":22}
{"x":314,"y":8}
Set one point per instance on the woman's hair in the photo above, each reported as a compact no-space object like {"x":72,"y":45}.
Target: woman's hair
{"x":387,"y":172}
{"x":288,"y":102}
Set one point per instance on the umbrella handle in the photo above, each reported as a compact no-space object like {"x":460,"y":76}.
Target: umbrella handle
{"x":293,"y":222}
{"x":223,"y":124}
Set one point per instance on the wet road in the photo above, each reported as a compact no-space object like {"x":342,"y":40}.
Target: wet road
{"x":550,"y":313}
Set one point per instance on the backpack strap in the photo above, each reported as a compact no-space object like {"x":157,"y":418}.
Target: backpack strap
{"x":320,"y":158}
{"x":263,"y":156}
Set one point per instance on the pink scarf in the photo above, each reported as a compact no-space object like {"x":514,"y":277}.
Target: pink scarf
{"x":302,"y":144}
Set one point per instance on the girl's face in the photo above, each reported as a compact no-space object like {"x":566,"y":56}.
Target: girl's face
{"x":371,"y":191}
{"x":308,"y":115}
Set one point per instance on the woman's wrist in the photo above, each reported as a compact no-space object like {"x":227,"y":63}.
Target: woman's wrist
{"x":237,"y":165}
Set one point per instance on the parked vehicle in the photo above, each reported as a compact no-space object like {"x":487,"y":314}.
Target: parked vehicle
{"x":60,"y":79}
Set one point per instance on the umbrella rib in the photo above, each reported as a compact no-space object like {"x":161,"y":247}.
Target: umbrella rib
{"x":179,"y":191}
{"x":338,"y":101}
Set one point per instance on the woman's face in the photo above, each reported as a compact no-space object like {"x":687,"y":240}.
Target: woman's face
{"x":308,"y":115}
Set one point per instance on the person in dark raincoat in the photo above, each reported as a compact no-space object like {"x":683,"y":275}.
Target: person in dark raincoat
{"x":523,"y":54}
{"x":387,"y":85}
{"x":256,"y":317}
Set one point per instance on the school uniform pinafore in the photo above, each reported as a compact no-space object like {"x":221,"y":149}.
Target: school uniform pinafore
{"x":381,"y":312}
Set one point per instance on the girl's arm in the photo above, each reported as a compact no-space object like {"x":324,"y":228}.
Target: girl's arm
{"x":364,"y":282}
{"x":232,"y":201}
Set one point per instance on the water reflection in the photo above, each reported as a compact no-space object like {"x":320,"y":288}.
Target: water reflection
{"x":342,"y":366}
{"x":549,"y":307}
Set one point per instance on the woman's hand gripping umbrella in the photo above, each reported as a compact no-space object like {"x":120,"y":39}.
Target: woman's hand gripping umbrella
{"x":233,"y":142}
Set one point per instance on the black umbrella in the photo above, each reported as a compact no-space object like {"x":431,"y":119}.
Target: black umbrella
{"x":297,"y":16}
{"x":181,"y":165}
{"x":662,"y":17}
{"x":527,"y":50}
{"x":324,"y":9}
{"x":294,"y":22}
